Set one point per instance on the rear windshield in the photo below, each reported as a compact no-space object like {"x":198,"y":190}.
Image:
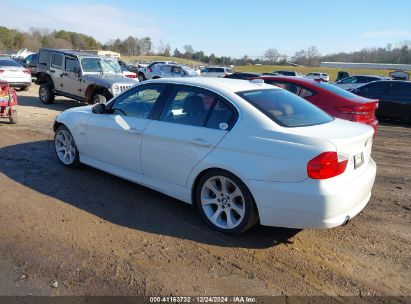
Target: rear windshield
{"x":285,"y":108}
{"x":336,"y":90}
{"x":9,"y":62}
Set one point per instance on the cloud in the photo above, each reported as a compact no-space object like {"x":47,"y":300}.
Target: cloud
{"x":386,"y":34}
{"x":103,"y":22}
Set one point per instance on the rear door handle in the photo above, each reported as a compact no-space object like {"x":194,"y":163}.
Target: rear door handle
{"x":134,"y":131}
{"x":200,"y":142}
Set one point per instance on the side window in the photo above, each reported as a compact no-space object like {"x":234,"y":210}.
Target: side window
{"x":138,"y":102}
{"x":221,"y":117}
{"x":374,"y":88}
{"x":71,"y":64}
{"x":400,"y":89}
{"x":187,"y":106}
{"x":57,"y":60}
{"x":304,"y":92}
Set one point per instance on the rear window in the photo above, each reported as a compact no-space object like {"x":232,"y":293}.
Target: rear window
{"x":9,"y":62}
{"x":285,"y":108}
{"x":336,"y":90}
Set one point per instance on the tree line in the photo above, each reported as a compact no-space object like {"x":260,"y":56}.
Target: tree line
{"x":11,"y":39}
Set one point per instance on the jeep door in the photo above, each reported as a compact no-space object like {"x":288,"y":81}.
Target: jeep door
{"x":72,"y":77}
{"x":56,"y":70}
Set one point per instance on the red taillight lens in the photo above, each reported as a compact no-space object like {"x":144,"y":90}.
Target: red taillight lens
{"x":150,"y":70}
{"x":354,"y":110}
{"x":131,"y":76}
{"x":26,"y":71}
{"x":326,"y":165}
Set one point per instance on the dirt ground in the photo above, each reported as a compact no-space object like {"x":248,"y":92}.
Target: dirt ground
{"x":95,"y":234}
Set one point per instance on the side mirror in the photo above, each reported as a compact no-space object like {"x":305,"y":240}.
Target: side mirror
{"x":99,"y":108}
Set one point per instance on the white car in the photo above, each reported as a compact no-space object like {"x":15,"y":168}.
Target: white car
{"x":242,"y":151}
{"x":171,"y":70}
{"x":14,"y":73}
{"x":356,"y":81}
{"x":318,"y":76}
{"x":216,"y":72}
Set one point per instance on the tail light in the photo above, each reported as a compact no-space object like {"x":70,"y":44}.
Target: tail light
{"x":327,"y":165}
{"x":354,"y":110}
{"x":26,"y":71}
{"x":1,"y":71}
{"x":360,"y":113}
{"x":150,"y":70}
{"x":131,"y":76}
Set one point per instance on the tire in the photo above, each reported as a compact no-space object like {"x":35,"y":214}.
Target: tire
{"x":13,"y":116}
{"x":98,"y":98}
{"x":26,"y":88}
{"x":141,"y":77}
{"x":65,"y":147}
{"x":220,"y":196}
{"x":46,"y":94}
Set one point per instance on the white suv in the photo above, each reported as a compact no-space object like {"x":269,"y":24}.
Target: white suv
{"x":216,"y":72}
{"x":318,"y":76}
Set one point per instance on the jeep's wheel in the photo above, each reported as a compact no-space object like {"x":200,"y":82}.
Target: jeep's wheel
{"x":99,"y":98}
{"x":141,"y":77}
{"x":66,"y":148}
{"x":46,"y":94}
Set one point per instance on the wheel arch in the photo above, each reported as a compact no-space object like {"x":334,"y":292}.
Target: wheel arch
{"x":93,"y":89}
{"x":43,"y":77}
{"x":195,"y":177}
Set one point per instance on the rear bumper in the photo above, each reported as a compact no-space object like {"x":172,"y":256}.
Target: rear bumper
{"x":311,"y":203}
{"x":19,"y":84}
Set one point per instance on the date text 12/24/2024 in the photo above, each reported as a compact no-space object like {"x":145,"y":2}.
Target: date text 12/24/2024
{"x":203,"y":299}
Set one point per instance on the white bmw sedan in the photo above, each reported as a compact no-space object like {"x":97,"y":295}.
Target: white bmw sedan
{"x":244,"y":152}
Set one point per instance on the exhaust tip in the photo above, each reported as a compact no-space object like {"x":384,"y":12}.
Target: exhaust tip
{"x":346,"y":221}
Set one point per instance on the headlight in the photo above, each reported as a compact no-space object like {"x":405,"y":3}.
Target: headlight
{"x":115,"y":89}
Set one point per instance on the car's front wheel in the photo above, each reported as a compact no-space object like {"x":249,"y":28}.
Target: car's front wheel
{"x":99,"y":98}
{"x":65,"y":147}
{"x":225,"y":202}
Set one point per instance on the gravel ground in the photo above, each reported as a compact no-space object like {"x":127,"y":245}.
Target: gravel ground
{"x":95,"y":234}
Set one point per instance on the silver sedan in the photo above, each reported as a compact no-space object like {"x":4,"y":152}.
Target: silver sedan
{"x":14,"y":73}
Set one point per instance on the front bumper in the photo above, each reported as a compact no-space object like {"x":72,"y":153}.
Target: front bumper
{"x":311,"y":203}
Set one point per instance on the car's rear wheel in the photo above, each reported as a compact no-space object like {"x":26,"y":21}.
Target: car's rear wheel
{"x":46,"y":94}
{"x":65,"y":147}
{"x":225,"y":202}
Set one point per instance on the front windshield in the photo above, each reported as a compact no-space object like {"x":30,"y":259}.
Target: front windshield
{"x":285,"y":108}
{"x":100,"y":65}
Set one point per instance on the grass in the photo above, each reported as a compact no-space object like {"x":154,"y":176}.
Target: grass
{"x":305,"y":70}
{"x":160,"y":58}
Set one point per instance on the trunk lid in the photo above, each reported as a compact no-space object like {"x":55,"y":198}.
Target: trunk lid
{"x":351,"y":140}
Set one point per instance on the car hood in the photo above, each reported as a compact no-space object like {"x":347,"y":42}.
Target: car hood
{"x":108,"y":79}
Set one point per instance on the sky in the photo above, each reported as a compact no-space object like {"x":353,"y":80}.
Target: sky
{"x":225,"y":27}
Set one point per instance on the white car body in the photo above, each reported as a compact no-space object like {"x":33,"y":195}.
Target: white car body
{"x":271,"y":160}
{"x":129,"y":74}
{"x":212,"y":71}
{"x":171,"y":70}
{"x":355,"y":81}
{"x":14,"y":73}
{"x":318,"y":76}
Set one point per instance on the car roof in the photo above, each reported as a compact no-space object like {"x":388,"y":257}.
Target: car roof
{"x":217,"y":84}
{"x":288,"y":78}
{"x":69,"y":52}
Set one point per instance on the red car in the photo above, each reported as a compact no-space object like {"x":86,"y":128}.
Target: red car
{"x":332,"y":99}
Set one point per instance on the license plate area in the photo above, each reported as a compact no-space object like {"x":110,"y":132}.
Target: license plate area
{"x":358,"y":160}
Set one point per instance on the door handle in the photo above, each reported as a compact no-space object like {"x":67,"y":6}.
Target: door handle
{"x":64,"y":74}
{"x":200,"y":142}
{"x":134,"y":131}
{"x":52,"y":71}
